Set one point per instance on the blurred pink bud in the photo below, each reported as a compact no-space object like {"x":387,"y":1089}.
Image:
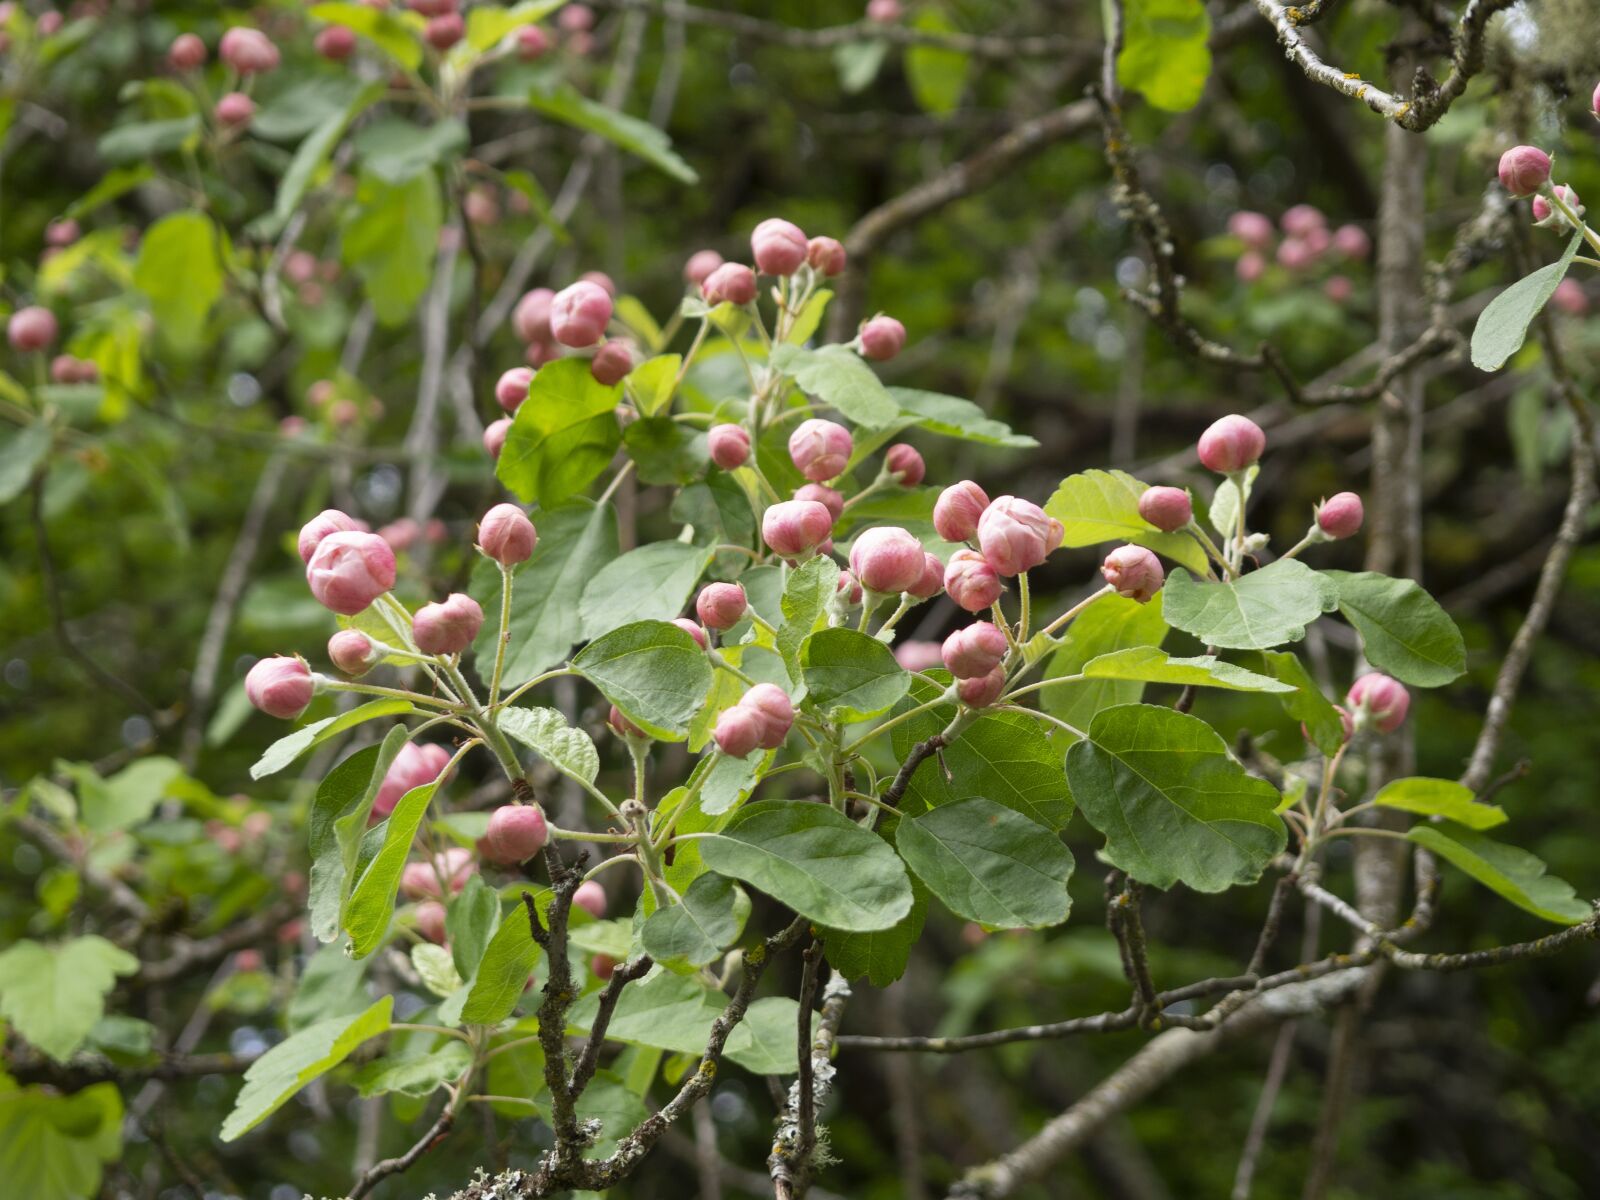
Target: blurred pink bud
{"x":884,"y":11}
{"x":918,"y":656}
{"x":982,"y":691}
{"x":348,"y":571}
{"x":849,"y":590}
{"x":971,"y":582}
{"x":1338,"y":288}
{"x":301,"y":265}
{"x":292,"y":426}
{"x":512,"y":388}
{"x":1250,"y":267}
{"x":1570,"y":297}
{"x":932,"y":581}
{"x":579,"y":314}
{"x":1231,"y":444}
{"x":729,"y":446}
{"x":432,"y":8}
{"x":481,"y":207}
{"x":621,"y":724}
{"x":826,"y":255}
{"x":772,"y":704}
{"x":516,"y":833}
{"x":1296,"y":254}
{"x":235,"y":110}
{"x":401,"y":534}
{"x":494,"y":437}
{"x":353,"y":652}
{"x":420,"y":880}
{"x":530,"y":321}
{"x":778,"y":247}
{"x":904,"y":460}
{"x":436,"y":531}
{"x":591,"y":897}
{"x":1252,"y":228}
{"x":416,"y":764}
{"x":692,"y":629}
{"x":248,"y":51}
{"x":321,"y":393}
{"x":248,"y":960}
{"x":281,"y":687}
{"x":602,"y":967}
{"x":1167,"y":508}
{"x":975,"y":650}
{"x":1380,"y":700}
{"x":62,"y":232}
{"x":1524,"y":170}
{"x":536,"y":354}
{"x":795,"y":527}
{"x":731,"y":283}
{"x":430,"y":921}
{"x":1134,"y":571}
{"x":506,"y":535}
{"x":1340,"y":516}
{"x":611,"y":363}
{"x":824,"y":495}
{"x":701,"y":263}
{"x":447,"y":626}
{"x":738,"y":731}
{"x":882,"y":338}
{"x":1352,"y":242}
{"x":956,"y":512}
{"x":445,"y":31}
{"x":63,"y":369}
{"x":32,"y":328}
{"x":533,"y":43}
{"x":820,"y":449}
{"x":335,"y":43}
{"x":721,"y":605}
{"x":186,"y":52}
{"x":1302,"y":219}
{"x":1016,"y":535}
{"x":887,"y":560}
{"x":49,"y":22}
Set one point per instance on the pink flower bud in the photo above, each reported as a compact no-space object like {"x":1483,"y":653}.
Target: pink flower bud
{"x":248,"y":960}
{"x":772,"y":704}
{"x":579,"y":314}
{"x":974,"y":651}
{"x":795,"y":527}
{"x":1340,"y":516}
{"x":1380,"y":700}
{"x":956,"y":512}
{"x":1569,"y":297}
{"x":887,"y":560}
{"x":516,"y":833}
{"x":481,"y":207}
{"x":235,"y":110}
{"x":401,"y":534}
{"x":186,"y":52}
{"x":512,"y":388}
{"x":62,"y":232}
{"x":591,"y":897}
{"x":721,"y":605}
{"x":1352,"y":242}
{"x":701,"y":263}
{"x":1016,"y":535}
{"x":883,"y":12}
{"x":621,"y":725}
{"x":738,"y":731}
{"x":1134,"y":571}
{"x":447,"y":626}
{"x":432,"y":8}
{"x":602,"y":967}
{"x":904,"y":460}
{"x":692,"y":629}
{"x":731,"y":283}
{"x":281,"y":687}
{"x":1252,"y":228}
{"x":601,"y":280}
{"x":530,"y":320}
{"x":1250,"y":267}
{"x":820,"y":449}
{"x":348,"y":571}
{"x":918,"y":656}
{"x":430,"y":921}
{"x":824,"y":495}
{"x":1524,"y":170}
{"x":982,"y":691}
{"x":778,"y":247}
{"x":1167,"y":508}
{"x":1295,"y":254}
{"x":494,"y":436}
{"x":353,"y":652}
{"x":63,"y":369}
{"x":1338,"y":288}
{"x":826,"y":255}
{"x":248,"y":51}
{"x":729,"y":446}
{"x":445,"y":31}
{"x":415,"y":765}
{"x":611,"y":363}
{"x":1302,"y":219}
{"x":533,"y":43}
{"x":882,"y":338}
{"x":32,"y":328}
{"x":932,"y":581}
{"x":971,"y":582}
{"x":849,"y":590}
{"x":1546,"y":214}
{"x":506,"y":535}
{"x":1231,"y":444}
{"x":335,"y":43}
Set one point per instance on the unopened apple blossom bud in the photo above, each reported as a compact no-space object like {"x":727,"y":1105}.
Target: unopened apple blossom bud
{"x":795,"y":527}
{"x":887,"y":560}
{"x":506,"y":535}
{"x":481,"y":207}
{"x":778,"y":247}
{"x":621,"y":725}
{"x":905,"y":461}
{"x":1252,"y":228}
{"x":494,"y":436}
{"x":701,"y":263}
{"x":281,"y":687}
{"x":1548,"y":215}
{"x":1167,"y":508}
{"x":692,"y":629}
{"x":516,"y":833}
{"x":848,"y":590}
{"x":883,"y":12}
{"x":932,"y":581}
{"x":537,"y":354}
{"x":430,"y":921}
{"x":1524,"y":170}
{"x":353,"y":652}
{"x":611,"y":363}
{"x":1017,"y":535}
{"x":731,"y":283}
{"x":591,"y":897}
{"x":579,"y":314}
{"x":447,"y":626}
{"x":982,"y":691}
{"x":533,"y":43}
{"x":601,"y":280}
{"x":1569,"y":297}
{"x":1352,"y":242}
{"x":235,"y":110}
{"x":401,"y":534}
{"x":248,"y":51}
{"x":445,"y":31}
{"x":32,"y":328}
{"x":918,"y":656}
{"x":1340,"y":516}
{"x":737,"y":731}
{"x":721,"y":606}
{"x":432,"y":8}
{"x":975,"y":650}
{"x":1379,"y":701}
{"x":1302,"y":220}
{"x":772,"y":704}
{"x":602,"y":967}
{"x":970,"y":581}
{"x":1295,"y":254}
{"x":882,"y":338}
{"x":62,"y":232}
{"x":416,"y":764}
{"x":511,"y":389}
{"x":530,"y":320}
{"x":826,"y":255}
{"x":420,"y":880}
{"x":729,"y":446}
{"x":956,"y":512}
{"x":49,"y":23}
{"x":248,"y":960}
{"x":1250,"y":267}
{"x":824,"y":495}
{"x":186,"y":52}
{"x":820,"y":449}
{"x":63,"y":369}
{"x":1338,"y":288}
{"x":1134,"y":571}
{"x":348,"y":571}
{"x":1231,"y":444}
{"x":329,"y":520}
{"x":335,"y":43}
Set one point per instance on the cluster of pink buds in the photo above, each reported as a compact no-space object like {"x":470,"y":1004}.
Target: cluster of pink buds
{"x":762,"y":717}
{"x":575,"y":317}
{"x":1013,"y":535}
{"x":976,"y":656}
{"x":1307,"y":242}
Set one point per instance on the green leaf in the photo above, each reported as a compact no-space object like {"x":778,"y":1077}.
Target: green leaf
{"x":651,"y":583}
{"x":286,"y":749}
{"x":1166,"y":51}
{"x":397,"y":151}
{"x":1403,"y":630}
{"x":21,"y":451}
{"x":1173,"y":805}
{"x":858,"y":63}
{"x":54,"y":995}
{"x":575,"y":540}
{"x":383,"y":29}
{"x":851,"y":676}
{"x":435,"y":967}
{"x":654,"y":383}
{"x":1152,"y":665}
{"x":1503,"y":325}
{"x":950,"y":416}
{"x":1108,"y":624}
{"x":310,"y":158}
{"x":294,"y":1062}
{"x":332,"y":985}
{"x":815,"y":860}
{"x":1224,"y":512}
{"x":503,"y":973}
{"x":545,"y":731}
{"x":472,"y":919}
{"x":336,"y":825}
{"x":1103,"y":506}
{"x":113,"y":185}
{"x":989,"y":864}
{"x":563,"y":435}
{"x":488,"y":27}
{"x":1307,"y":704}
{"x":837,"y":377}
{"x":880,"y":955}
{"x":292,"y":113}
{"x":145,"y":139}
{"x":937,"y":74}
{"x":697,"y":931}
{"x":53,"y":1147}
{"x":565,"y":103}
{"x":805,"y":599}
{"x":1440,"y":798}
{"x":651,"y":670}
{"x":1515,"y":874}
{"x":1258,"y":611}
{"x":179,"y":270}
{"x":130,"y":796}
{"x":371,"y":904}
{"x":415,"y":1075}
{"x":390,"y":237}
